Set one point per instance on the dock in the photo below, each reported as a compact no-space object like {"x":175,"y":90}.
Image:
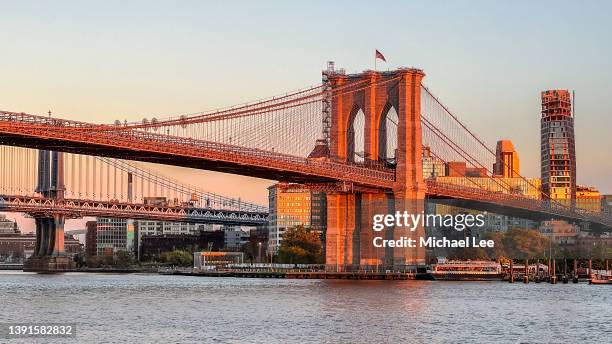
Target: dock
{"x":294,"y":274}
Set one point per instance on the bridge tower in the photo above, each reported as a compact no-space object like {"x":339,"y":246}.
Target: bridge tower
{"x":49,"y":252}
{"x":350,"y":234}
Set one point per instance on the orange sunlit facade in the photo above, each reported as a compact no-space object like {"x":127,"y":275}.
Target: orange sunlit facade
{"x":558,"y":152}
{"x":292,"y":206}
{"x":588,"y":198}
{"x":506,"y":160}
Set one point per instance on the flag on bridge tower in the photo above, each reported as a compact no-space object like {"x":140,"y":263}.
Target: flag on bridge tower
{"x":378,"y":55}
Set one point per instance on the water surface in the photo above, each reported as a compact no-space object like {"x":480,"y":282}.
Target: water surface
{"x":141,"y":308}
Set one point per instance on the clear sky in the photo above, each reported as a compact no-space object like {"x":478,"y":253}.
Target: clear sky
{"x":486,"y":60}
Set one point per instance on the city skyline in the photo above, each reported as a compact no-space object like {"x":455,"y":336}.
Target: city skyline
{"x":81,"y":66}
{"x":201,"y":171}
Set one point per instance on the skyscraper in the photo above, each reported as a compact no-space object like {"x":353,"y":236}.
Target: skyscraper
{"x":558,"y":151}
{"x":506,"y":160}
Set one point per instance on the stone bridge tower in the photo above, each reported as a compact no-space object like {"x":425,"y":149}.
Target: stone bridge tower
{"x":349,"y":238}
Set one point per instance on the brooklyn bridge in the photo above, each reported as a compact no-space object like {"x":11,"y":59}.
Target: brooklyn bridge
{"x":362,"y":138}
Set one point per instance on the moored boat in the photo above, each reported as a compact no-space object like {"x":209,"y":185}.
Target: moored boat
{"x":470,"y":270}
{"x":601,"y":279}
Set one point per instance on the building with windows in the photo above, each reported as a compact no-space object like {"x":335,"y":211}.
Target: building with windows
{"x":432,"y":166}
{"x":560,"y":232}
{"x":293,"y":205}
{"x":7,"y":226}
{"x":588,"y":198}
{"x":558,"y":151}
{"x":169,"y":228}
{"x":235,"y":237}
{"x":507,"y":163}
{"x":114,"y":235}
{"x":17,"y":246}
{"x":606,"y":204}
{"x":91,"y":238}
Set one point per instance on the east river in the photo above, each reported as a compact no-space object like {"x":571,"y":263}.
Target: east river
{"x":147,"y":308}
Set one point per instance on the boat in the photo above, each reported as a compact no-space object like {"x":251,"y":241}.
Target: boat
{"x":600,"y":279}
{"x":467,"y":270}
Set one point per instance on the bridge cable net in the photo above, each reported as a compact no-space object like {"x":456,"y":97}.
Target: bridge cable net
{"x":447,"y":140}
{"x":108,"y":179}
{"x":287,"y":125}
{"x":18,"y":171}
{"x":281,"y":132}
{"x":100,"y":178}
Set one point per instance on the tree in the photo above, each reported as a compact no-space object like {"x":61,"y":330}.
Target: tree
{"x":497,"y":252}
{"x":525,"y":243}
{"x":123,"y":259}
{"x":178,"y":258}
{"x":301,"y":246}
{"x":250,"y":250}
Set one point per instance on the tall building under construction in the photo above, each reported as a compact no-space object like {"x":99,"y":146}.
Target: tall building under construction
{"x":558,"y":152}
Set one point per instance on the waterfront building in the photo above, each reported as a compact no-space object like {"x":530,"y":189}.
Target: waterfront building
{"x":606,"y":204}
{"x":216,"y":259}
{"x":91,"y":239}
{"x":234,"y":237}
{"x":114,"y":235}
{"x":558,"y":151}
{"x":588,"y":198}
{"x":292,"y":205}
{"x":7,"y":226}
{"x":560,"y":232}
{"x":145,"y":227}
{"x":503,"y":223}
{"x":507,"y":163}
{"x":21,"y":246}
{"x":595,"y":245}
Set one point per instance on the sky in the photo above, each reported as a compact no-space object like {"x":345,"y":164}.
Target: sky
{"x":487,"y":61}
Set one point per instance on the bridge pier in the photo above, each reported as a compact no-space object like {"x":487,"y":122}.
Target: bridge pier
{"x":49,"y":254}
{"x":342,"y":236}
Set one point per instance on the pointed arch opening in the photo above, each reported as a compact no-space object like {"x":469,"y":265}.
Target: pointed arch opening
{"x":356,"y":137}
{"x":387,"y":136}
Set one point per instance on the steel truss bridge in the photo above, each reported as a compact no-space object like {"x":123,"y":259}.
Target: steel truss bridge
{"x":75,"y":208}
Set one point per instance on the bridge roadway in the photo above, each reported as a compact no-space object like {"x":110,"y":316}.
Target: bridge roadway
{"x":31,"y":131}
{"x":75,"y":208}
{"x":512,"y":205}
{"x":70,"y":136}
